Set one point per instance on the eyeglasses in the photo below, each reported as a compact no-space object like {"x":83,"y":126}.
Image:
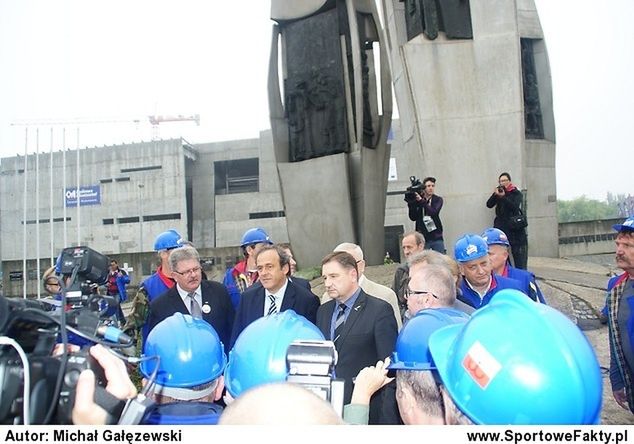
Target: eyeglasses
{"x":194,"y":270}
{"x":409,"y":292}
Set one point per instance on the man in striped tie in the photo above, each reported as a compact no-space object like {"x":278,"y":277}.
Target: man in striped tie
{"x":274,"y":292}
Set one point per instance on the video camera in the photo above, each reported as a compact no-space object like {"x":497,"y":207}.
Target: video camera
{"x":411,"y":191}
{"x":311,"y":364}
{"x":36,"y":387}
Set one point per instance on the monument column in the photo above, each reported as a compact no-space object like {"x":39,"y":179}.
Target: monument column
{"x":329,"y":125}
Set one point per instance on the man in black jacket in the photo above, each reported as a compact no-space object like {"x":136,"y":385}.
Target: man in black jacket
{"x":274,"y":293}
{"x":424,"y":209}
{"x":206,"y":300}
{"x":507,"y":200}
{"x":363,"y":329}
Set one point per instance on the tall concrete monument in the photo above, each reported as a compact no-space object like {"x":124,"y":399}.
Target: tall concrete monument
{"x":473,"y":88}
{"x":330,"y":107}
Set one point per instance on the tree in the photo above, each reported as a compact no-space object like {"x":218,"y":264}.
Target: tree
{"x":583,"y":208}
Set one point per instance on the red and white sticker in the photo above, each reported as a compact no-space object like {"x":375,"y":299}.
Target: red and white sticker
{"x":481,"y":365}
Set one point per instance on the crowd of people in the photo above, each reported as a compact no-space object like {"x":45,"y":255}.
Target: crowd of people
{"x":468,"y":339}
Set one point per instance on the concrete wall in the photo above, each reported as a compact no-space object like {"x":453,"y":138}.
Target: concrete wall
{"x":220,"y":220}
{"x":330,"y":198}
{"x":540,"y":154}
{"x":462,"y":117}
{"x":140,"y":179}
{"x":123,"y":194}
{"x":587,"y":237}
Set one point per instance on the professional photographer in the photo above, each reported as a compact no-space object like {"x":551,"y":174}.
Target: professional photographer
{"x":424,"y":209}
{"x":85,"y":410}
{"x":507,"y":200}
{"x":40,"y":354}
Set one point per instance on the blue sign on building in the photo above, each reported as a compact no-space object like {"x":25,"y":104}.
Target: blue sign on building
{"x":89,"y":195}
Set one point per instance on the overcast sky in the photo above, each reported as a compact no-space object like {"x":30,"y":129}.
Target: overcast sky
{"x":121,"y":61}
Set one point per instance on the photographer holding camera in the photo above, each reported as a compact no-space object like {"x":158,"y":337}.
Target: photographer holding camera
{"x":424,"y":209}
{"x":507,"y":200}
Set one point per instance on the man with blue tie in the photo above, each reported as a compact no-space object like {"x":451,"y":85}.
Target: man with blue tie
{"x":276,"y":292}
{"x":363,"y":329}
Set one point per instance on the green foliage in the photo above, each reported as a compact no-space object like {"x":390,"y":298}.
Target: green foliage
{"x":309,"y":273}
{"x":583,"y":208}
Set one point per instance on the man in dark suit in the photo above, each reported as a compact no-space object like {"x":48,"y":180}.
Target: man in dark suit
{"x":363,"y":329}
{"x":277,"y":293}
{"x":207,"y":300}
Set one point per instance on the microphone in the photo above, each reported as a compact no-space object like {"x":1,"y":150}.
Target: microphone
{"x":113,"y":334}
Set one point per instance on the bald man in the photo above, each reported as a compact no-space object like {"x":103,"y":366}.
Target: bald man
{"x":279,"y":404}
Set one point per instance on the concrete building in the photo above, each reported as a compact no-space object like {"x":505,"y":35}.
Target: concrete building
{"x":128,"y":194}
{"x":211,"y":193}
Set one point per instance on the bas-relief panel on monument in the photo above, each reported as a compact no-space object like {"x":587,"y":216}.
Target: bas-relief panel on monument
{"x":533,"y":121}
{"x":318,"y":55}
{"x":453,"y":17}
{"x":314,"y":87}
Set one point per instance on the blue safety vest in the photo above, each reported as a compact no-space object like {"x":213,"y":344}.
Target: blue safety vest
{"x":471,"y":297}
{"x":527,"y":281}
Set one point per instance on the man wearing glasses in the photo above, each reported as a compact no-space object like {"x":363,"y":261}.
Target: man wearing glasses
{"x":431,"y":286}
{"x":207,"y":300}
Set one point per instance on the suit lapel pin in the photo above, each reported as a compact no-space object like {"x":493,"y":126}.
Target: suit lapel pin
{"x":206,"y":309}
{"x":357,"y":308}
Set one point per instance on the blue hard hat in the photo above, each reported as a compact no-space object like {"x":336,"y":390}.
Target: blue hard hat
{"x":518,"y":362}
{"x":470,"y":247}
{"x":168,"y":240}
{"x":627,"y":225}
{"x":259,"y":354}
{"x":495,"y":236}
{"x":412,"y":349}
{"x":190,"y":350}
{"x":255,"y":236}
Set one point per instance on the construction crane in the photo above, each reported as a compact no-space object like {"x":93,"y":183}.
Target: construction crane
{"x":155,"y":121}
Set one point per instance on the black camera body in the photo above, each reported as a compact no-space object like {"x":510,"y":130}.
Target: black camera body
{"x":416,"y":187}
{"x":501,"y":189}
{"x":35,"y":326}
{"x":311,"y":364}
{"x":77,"y":363}
{"x":86,"y":268}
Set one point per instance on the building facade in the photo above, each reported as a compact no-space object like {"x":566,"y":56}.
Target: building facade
{"x":211,"y":193}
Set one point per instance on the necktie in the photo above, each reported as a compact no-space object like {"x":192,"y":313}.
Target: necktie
{"x":194,"y":306}
{"x":272,"y":307}
{"x":340,"y":320}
